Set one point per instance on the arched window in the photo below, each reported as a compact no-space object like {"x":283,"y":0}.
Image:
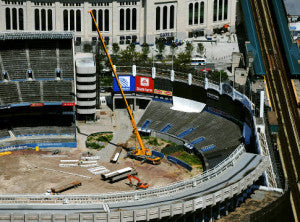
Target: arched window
{"x":93,"y":24}
{"x":128,"y":19}
{"x":21,"y":19}
{"x":196,"y":13}
{"x":172,"y":17}
{"x":202,"y":12}
{"x":43,"y":19}
{"x":215,"y":10}
{"x":7,"y":15}
{"x":190,"y":13}
{"x":100,"y":19}
{"x":72,"y":20}
{"x":122,"y":19}
{"x":220,"y":9}
{"x":225,"y":9}
{"x":134,"y":19}
{"x":37,"y":19}
{"x":165,"y":17}
{"x":50,"y":24}
{"x":157,"y":18}
{"x":106,"y":20}
{"x":78,"y":21}
{"x":14,"y":18}
{"x":66,"y":20}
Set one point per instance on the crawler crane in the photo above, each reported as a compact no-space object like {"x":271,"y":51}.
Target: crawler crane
{"x":142,"y":153}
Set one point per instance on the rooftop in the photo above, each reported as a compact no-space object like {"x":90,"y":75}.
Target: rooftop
{"x":292,"y":7}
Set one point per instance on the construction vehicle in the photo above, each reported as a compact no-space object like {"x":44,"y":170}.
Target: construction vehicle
{"x":139,"y":184}
{"x":62,"y":188}
{"x":141,"y":153}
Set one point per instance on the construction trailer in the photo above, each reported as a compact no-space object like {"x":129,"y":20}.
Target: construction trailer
{"x":118,"y":174}
{"x":62,"y":188}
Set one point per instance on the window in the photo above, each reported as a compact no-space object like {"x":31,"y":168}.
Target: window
{"x":106,"y":15}
{"x":37,"y":19}
{"x":43,"y":18}
{"x":7,"y":13}
{"x":215,"y":9}
{"x":128,"y":19}
{"x":157,"y":18}
{"x":66,"y":28}
{"x":49,"y":20}
{"x":134,"y":19}
{"x":78,"y":21}
{"x":220,"y":9}
{"x":190,"y":13}
{"x":172,"y":17}
{"x":225,"y":9}
{"x":202,"y":12}
{"x":93,"y":24}
{"x":21,"y":19}
{"x":122,"y":19}
{"x":100,"y":19}
{"x":14,"y":18}
{"x":72,"y":19}
{"x":165,"y":17}
{"x":196,"y":13}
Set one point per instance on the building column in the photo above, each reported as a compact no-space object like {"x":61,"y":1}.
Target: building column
{"x":115,"y":21}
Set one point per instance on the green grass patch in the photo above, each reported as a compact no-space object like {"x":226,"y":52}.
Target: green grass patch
{"x":95,"y":146}
{"x":190,"y":159}
{"x":172,"y":149}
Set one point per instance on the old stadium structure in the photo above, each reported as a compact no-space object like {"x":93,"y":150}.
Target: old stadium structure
{"x":37,"y":109}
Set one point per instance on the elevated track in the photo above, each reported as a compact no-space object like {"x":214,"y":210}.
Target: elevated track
{"x":282,"y":97}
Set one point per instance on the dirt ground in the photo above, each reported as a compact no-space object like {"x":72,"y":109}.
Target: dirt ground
{"x":24,"y":172}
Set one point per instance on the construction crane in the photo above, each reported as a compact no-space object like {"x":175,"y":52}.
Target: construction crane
{"x":139,"y":184}
{"x":142,"y":153}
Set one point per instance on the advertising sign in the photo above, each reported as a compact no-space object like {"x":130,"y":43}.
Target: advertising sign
{"x":68,"y":104}
{"x":144,"y":84}
{"x":127,"y":83}
{"x":163,"y":92}
{"x":36,"y":104}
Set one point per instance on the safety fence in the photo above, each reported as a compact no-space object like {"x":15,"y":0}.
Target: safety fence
{"x":179,"y":162}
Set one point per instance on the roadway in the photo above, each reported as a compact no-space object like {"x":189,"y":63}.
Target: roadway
{"x":282,"y":97}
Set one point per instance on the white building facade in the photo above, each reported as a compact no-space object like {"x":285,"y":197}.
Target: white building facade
{"x":120,"y":21}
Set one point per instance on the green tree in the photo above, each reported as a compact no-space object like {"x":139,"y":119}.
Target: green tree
{"x":161,"y":47}
{"x":145,"y":49}
{"x":87,"y":48}
{"x":173,"y":47}
{"x":189,"y":48}
{"x":200,"y":48}
{"x":131,"y":47}
{"x":115,"y":48}
{"x":182,"y":60}
{"x":215,"y":76}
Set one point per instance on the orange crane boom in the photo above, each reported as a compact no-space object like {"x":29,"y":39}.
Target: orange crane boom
{"x":137,"y":152}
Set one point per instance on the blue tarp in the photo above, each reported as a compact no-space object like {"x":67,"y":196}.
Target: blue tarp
{"x":199,"y":140}
{"x":247,"y":133}
{"x":207,"y":148}
{"x":166,"y":128}
{"x":179,"y":162}
{"x":159,"y":154}
{"x":183,"y":134}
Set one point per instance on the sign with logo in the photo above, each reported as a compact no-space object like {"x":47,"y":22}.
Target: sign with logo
{"x":127,"y":83}
{"x":36,"y":104}
{"x":163,"y":92}
{"x":68,"y":104}
{"x":144,"y":84}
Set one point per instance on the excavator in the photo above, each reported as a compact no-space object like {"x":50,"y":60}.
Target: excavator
{"x":139,"y":184}
{"x":142,"y":153}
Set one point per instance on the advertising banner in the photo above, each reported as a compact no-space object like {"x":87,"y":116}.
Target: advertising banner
{"x":144,"y":84}
{"x":127,"y":83}
{"x":163,"y":92}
